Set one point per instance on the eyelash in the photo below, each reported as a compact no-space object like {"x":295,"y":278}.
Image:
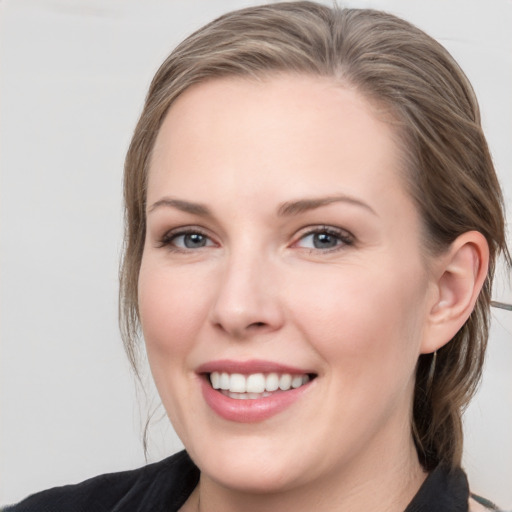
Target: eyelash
{"x":169,"y":238}
{"x":343,"y":237}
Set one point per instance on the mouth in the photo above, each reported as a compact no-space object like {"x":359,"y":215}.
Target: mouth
{"x":256,"y":385}
{"x":252,"y":391}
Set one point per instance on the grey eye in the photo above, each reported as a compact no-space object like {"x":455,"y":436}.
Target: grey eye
{"x":193,"y":240}
{"x":325,"y":241}
{"x":190,"y":240}
{"x":320,"y":240}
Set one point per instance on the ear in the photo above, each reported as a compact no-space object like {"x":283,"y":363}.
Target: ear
{"x":457,"y":278}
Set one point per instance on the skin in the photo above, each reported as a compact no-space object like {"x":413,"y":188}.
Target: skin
{"x":357,"y":315}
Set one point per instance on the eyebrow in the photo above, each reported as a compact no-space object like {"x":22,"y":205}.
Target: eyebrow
{"x":304,"y":205}
{"x":184,"y":206}
{"x":289,"y":208}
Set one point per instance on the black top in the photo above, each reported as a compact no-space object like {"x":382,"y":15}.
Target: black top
{"x":160,"y":487}
{"x":166,"y":485}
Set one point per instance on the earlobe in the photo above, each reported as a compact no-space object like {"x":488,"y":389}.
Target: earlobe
{"x":459,"y":276}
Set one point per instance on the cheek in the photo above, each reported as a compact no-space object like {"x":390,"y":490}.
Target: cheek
{"x":363,"y":317}
{"x":171,"y":309}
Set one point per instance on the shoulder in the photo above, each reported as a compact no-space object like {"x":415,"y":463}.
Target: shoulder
{"x":164,"y":485}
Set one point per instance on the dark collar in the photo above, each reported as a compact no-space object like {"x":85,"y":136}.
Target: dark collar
{"x":444,"y":490}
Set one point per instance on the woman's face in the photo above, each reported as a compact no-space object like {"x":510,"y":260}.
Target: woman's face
{"x":282,"y":250}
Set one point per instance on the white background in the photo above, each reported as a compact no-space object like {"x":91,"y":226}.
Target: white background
{"x":73,"y":77}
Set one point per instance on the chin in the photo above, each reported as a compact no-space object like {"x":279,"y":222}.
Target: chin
{"x":251,"y":467}
{"x":253,"y":477}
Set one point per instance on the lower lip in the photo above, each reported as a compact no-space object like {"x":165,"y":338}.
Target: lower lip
{"x":250,"y":410}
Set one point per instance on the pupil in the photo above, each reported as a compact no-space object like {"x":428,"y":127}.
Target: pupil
{"x":194,"y":240}
{"x":324,"y":241}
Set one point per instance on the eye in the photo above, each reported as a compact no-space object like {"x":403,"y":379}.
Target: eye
{"x":325,"y":238}
{"x":186,"y":240}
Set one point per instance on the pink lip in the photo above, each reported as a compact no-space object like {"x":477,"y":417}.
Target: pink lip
{"x":250,"y":410}
{"x":248,"y":367}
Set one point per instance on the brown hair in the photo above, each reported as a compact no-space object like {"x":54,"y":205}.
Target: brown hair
{"x":449,"y":168}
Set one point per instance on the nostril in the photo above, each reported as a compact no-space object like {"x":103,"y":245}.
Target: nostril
{"x":257,"y":324}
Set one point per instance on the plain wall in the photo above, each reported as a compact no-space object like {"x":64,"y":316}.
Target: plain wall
{"x":72,"y":81}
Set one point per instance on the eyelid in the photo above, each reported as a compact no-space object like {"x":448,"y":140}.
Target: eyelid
{"x":346,"y":238}
{"x":167,"y":238}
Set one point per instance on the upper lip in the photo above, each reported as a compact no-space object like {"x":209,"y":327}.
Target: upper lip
{"x":249,"y":367}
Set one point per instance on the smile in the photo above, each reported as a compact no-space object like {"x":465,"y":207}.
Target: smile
{"x":255,"y":385}
{"x":253,"y":391}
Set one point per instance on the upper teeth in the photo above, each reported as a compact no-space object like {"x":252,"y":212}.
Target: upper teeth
{"x":256,"y":382}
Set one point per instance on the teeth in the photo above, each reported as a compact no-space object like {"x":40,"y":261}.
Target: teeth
{"x":272,"y":382}
{"x":285,"y":382}
{"x":224,"y":381}
{"x":238,"y":396}
{"x":245,"y":396}
{"x":297,"y":381}
{"x":237,"y":383}
{"x":255,"y":385}
{"x":215,"y":380}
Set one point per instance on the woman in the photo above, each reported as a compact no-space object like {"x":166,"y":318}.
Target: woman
{"x":312,"y":225}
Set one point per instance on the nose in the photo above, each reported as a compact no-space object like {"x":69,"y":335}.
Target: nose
{"x":247,"y":300}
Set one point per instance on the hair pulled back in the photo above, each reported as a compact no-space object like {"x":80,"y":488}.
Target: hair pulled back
{"x":435,"y":114}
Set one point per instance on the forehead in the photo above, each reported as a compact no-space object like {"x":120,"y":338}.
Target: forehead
{"x":297,"y":134}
